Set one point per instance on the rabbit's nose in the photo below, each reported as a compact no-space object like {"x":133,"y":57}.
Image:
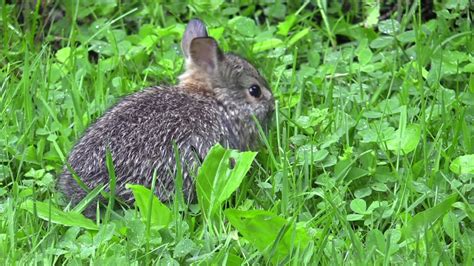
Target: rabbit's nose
{"x":271,"y":99}
{"x":267,"y":94}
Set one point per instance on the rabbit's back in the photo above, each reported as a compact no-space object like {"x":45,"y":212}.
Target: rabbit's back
{"x":139,"y":132}
{"x":220,"y":98}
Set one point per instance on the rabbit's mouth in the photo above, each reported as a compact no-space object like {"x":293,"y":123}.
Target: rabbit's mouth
{"x":267,"y":122}
{"x":267,"y":118}
{"x":264,"y":117}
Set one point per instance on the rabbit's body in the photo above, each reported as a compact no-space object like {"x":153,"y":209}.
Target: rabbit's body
{"x":205,"y":108}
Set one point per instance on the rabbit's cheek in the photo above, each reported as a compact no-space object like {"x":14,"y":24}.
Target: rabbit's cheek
{"x":250,"y":103}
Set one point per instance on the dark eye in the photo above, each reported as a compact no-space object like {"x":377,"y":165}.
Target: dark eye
{"x":255,"y":91}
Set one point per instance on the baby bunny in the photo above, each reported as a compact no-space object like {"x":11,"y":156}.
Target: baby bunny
{"x":214,"y":102}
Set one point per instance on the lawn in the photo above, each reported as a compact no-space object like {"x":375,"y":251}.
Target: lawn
{"x":369,"y":158}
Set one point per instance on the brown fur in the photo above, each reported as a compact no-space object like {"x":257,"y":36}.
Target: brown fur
{"x":210,"y":105}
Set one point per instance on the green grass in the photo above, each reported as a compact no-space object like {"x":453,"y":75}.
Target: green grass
{"x":369,"y":159}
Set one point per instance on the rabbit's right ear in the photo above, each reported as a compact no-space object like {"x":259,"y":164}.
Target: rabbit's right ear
{"x":205,"y":54}
{"x":195,"y":29}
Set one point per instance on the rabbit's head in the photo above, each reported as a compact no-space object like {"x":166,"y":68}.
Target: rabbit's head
{"x":229,"y":78}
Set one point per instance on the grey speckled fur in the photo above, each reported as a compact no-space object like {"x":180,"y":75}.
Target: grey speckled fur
{"x":211,"y":104}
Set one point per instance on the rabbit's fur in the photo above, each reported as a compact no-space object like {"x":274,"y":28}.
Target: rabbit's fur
{"x":211,"y":104}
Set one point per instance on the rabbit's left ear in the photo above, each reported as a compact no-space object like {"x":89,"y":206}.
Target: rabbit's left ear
{"x":194,"y":29}
{"x":205,"y":54}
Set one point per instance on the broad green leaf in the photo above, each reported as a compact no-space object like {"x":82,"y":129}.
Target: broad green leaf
{"x":36,"y":174}
{"x":382,"y":42}
{"x":244,"y":26}
{"x":203,"y":6}
{"x":63,"y":54}
{"x":358,"y":206}
{"x":451,"y":225}
{"x":5,"y":172}
{"x":108,"y":64}
{"x":422,"y":221}
{"x":363,"y":192}
{"x":356,"y":173}
{"x":372,"y":13}
{"x":364,"y":56}
{"x":407,"y":36}
{"x":463,"y":165}
{"x":160,"y":214}
{"x":217,"y":179}
{"x":269,"y":233}
{"x":469,"y":68}
{"x":381,"y":187}
{"x":310,"y":154}
{"x":376,"y":240}
{"x":405,"y":141}
{"x":266,"y":45}
{"x":184,"y":247}
{"x":363,"y":52}
{"x":354,"y":217}
{"x":233,"y":259}
{"x":216,"y":33}
{"x":374,"y":205}
{"x":389,"y":26}
{"x":377,"y":133}
{"x":47,"y":212}
{"x":452,"y":4}
{"x":277,"y":10}
{"x":104,"y":234}
{"x":303,"y":121}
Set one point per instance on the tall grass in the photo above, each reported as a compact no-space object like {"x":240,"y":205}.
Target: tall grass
{"x":369,"y":154}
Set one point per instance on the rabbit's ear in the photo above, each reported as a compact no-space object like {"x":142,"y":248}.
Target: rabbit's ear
{"x":204,"y":53}
{"x":195,"y":29}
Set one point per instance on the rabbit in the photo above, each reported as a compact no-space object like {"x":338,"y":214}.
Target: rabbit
{"x":213,"y":102}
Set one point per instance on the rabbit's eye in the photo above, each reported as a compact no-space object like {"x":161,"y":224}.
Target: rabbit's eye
{"x":255,"y":91}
